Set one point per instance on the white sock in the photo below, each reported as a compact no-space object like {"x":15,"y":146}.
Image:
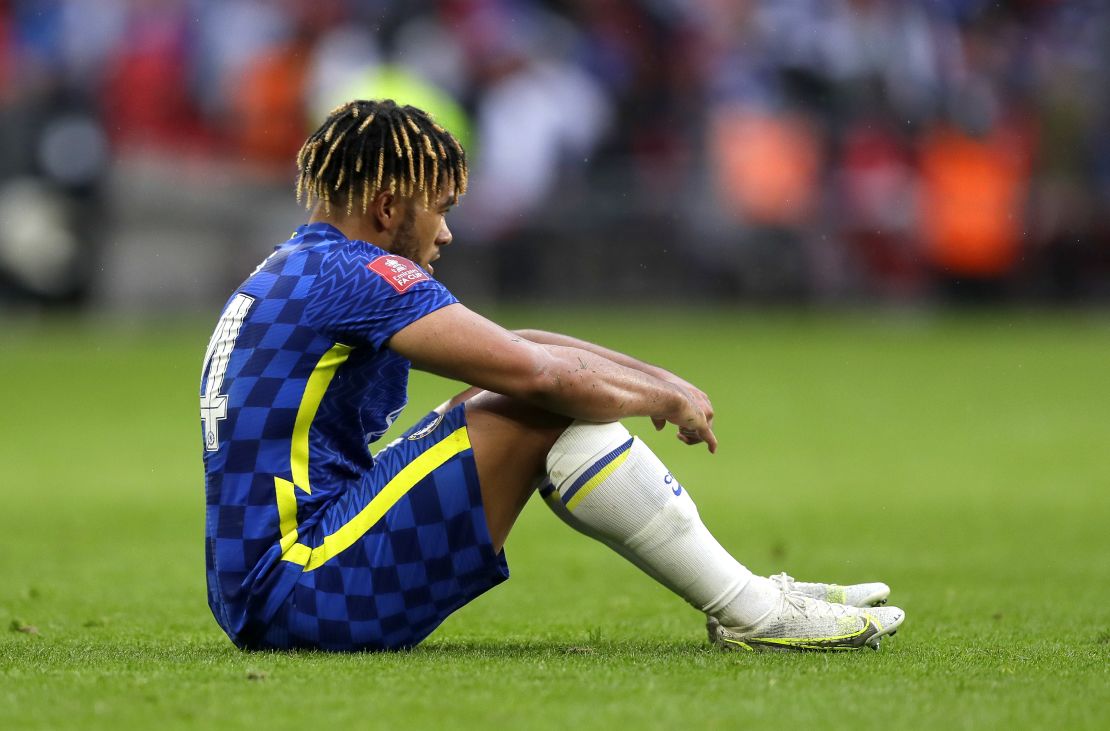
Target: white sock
{"x":607,"y":484}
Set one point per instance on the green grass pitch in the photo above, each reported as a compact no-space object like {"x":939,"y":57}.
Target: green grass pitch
{"x":963,"y":460}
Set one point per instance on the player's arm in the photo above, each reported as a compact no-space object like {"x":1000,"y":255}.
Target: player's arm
{"x":550,"y":338}
{"x":456,"y":343}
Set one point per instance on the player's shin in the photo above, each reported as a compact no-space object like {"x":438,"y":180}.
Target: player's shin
{"x":607,"y":484}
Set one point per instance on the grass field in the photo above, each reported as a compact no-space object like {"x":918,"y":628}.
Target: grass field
{"x":965,"y":461}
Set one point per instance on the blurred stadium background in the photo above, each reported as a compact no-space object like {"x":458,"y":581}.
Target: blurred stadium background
{"x":785,"y":170}
{"x":815,"y":151}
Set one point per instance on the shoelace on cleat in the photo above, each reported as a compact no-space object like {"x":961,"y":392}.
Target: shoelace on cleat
{"x":788,"y":584}
{"x":803,"y":605}
{"x":785,"y":581}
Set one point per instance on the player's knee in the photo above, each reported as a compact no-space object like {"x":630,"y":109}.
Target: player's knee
{"x":514,"y":410}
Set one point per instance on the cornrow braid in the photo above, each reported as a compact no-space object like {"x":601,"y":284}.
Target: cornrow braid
{"x":366,"y":147}
{"x":408,"y":154}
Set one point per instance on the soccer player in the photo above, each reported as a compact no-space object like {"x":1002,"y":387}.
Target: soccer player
{"x":314,"y":541}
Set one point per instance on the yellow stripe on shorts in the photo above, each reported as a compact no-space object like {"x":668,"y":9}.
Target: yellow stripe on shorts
{"x":367,"y":518}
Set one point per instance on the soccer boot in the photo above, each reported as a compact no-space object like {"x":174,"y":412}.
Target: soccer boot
{"x":854,"y":595}
{"x":801,"y":623}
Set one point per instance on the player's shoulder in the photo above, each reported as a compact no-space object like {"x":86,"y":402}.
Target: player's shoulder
{"x":358,"y":276}
{"x":377,"y":269}
{"x":300,"y":254}
{"x":397,"y":272}
{"x":343,"y":267}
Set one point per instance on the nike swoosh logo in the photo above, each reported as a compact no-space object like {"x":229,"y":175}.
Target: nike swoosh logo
{"x":849,"y":641}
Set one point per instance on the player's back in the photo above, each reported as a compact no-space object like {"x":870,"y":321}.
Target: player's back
{"x":297,"y":381}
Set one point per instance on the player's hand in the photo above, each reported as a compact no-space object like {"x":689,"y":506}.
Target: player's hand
{"x":694,"y":425}
{"x":701,"y":402}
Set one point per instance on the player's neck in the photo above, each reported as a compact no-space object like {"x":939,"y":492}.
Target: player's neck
{"x":354,"y":226}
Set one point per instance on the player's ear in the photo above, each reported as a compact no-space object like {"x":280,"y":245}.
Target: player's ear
{"x":385,"y":212}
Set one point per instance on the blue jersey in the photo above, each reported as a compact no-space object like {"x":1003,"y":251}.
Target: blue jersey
{"x":297,"y":382}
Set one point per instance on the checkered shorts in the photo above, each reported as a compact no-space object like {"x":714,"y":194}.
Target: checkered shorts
{"x":428,"y":555}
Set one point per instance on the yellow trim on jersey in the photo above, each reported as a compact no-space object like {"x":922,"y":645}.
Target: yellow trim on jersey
{"x":314,"y":391}
{"x":394,"y":490}
{"x":298,"y":553}
{"x":285,"y":492}
{"x":597,"y":479}
{"x":287,"y":512}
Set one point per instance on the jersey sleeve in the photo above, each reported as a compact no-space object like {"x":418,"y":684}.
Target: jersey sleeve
{"x":366,"y":300}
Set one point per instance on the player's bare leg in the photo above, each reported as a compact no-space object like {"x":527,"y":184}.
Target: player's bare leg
{"x":511,"y":441}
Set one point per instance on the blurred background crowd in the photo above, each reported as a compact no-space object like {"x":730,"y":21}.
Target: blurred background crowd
{"x":757,"y":150}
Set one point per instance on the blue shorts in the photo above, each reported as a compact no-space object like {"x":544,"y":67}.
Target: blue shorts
{"x":428,"y":555}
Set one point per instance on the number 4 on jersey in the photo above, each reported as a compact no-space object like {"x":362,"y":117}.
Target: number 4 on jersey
{"x":213,"y":404}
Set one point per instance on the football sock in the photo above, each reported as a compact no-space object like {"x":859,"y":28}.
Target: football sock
{"x":606,"y":483}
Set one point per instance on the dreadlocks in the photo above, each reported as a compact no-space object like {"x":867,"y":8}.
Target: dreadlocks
{"x":365,"y":147}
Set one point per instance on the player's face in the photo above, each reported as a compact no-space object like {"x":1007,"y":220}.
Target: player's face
{"x":423,"y":230}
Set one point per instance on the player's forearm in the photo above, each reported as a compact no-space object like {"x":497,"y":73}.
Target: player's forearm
{"x":549,"y":338}
{"x":586,"y":385}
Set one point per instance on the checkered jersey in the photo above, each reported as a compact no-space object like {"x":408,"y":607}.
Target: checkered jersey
{"x":297,"y":382}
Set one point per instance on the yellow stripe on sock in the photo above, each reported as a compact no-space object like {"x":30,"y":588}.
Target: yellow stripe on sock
{"x":597,"y":479}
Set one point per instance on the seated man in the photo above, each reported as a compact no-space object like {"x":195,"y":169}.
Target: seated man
{"x":312,"y":541}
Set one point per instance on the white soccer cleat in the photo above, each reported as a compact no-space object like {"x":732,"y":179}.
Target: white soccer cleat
{"x":801,"y":623}
{"x":854,"y":595}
